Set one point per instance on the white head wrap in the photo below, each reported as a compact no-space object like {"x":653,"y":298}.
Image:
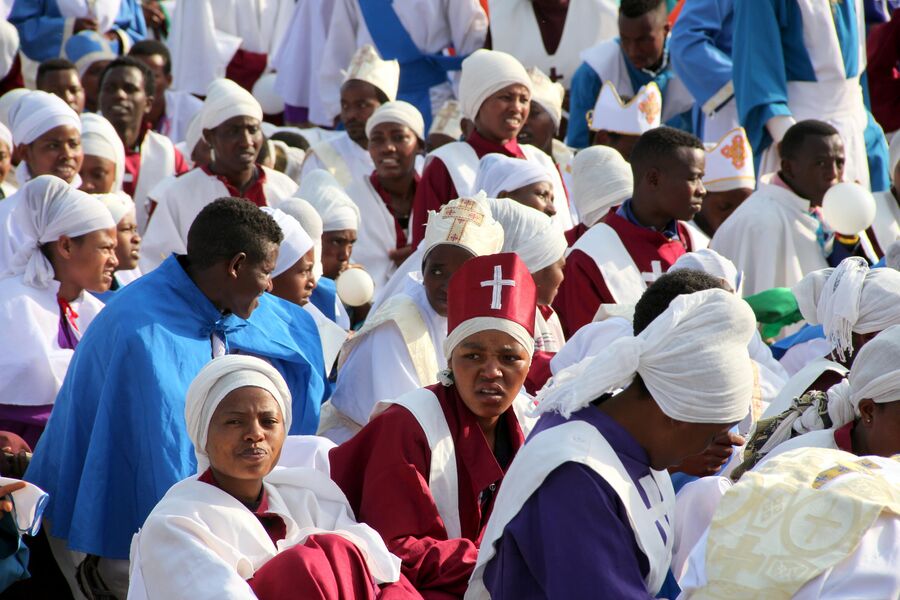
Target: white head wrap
{"x":368,"y":66}
{"x":225,"y":100}
{"x":590,"y":340}
{"x":216,"y":380}
{"x":9,"y":45}
{"x":295,"y":244}
{"x":464,"y":222}
{"x":8,"y":101}
{"x":119,"y":204}
{"x":851,"y":298}
{"x":447,"y":121}
{"x":894,"y":156}
{"x":710,"y":261}
{"x":50,"y":208}
{"x":311,"y":222}
{"x":99,"y":138}
{"x":37,"y":113}
{"x":601,"y":179}
{"x":547,"y":93}
{"x":529,"y":233}
{"x":486,"y":72}
{"x":194,"y":134}
{"x":479,"y":324}
{"x":323,"y":191}
{"x":400,"y":112}
{"x":498,"y":173}
{"x":6,"y":136}
{"x":692,"y":358}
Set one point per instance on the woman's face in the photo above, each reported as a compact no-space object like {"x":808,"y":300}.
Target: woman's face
{"x":538,"y":196}
{"x":440,"y":264}
{"x":502,"y":116}
{"x":128,"y":246}
{"x":548,"y":280}
{"x":98,"y":174}
{"x":489,"y":369}
{"x":393,"y":148}
{"x":298,"y":282}
{"x":881,"y":427}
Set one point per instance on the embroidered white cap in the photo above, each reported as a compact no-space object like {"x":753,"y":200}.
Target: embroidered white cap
{"x":729,"y":163}
{"x":634,"y":117}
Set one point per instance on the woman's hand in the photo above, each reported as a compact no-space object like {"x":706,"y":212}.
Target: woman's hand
{"x":6,"y":504}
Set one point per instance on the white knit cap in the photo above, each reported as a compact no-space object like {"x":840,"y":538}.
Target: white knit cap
{"x":118,"y":203}
{"x":99,"y":138}
{"x":529,"y":233}
{"x":368,"y":66}
{"x":710,"y":261}
{"x":894,"y":156}
{"x":692,"y":358}
{"x":37,"y":113}
{"x":296,"y":242}
{"x":8,"y":101}
{"x":601,"y":179}
{"x":498,"y":173}
{"x":635,"y":117}
{"x":851,"y":298}
{"x":323,"y":191}
{"x":547,"y":93}
{"x":400,"y":112}
{"x":464,"y":222}
{"x":729,"y":163}
{"x":6,"y":136}
{"x":447,"y":121}
{"x":311,"y":222}
{"x":216,"y":380}
{"x":225,"y":100}
{"x":486,"y":72}
{"x":50,"y":208}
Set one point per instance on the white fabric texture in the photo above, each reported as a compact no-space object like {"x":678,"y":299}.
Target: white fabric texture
{"x":311,"y":222}
{"x":366,"y":65}
{"x":710,"y":261}
{"x":547,"y":93}
{"x":447,"y":120}
{"x":102,"y":11}
{"x":529,"y":233}
{"x":337,"y":210}
{"x":99,"y":138}
{"x":498,"y":173}
{"x":296,"y":241}
{"x":6,"y":137}
{"x":119,"y":204}
{"x":479,"y":324}
{"x":486,"y":72}
{"x":37,"y":113}
{"x":692,"y":358}
{"x":589,"y":341}
{"x":601,"y":179}
{"x":377,"y":234}
{"x":479,"y":232}
{"x":8,"y":101}
{"x":400,"y":112}
{"x":225,"y":100}
{"x":340,"y":156}
{"x":893,"y":156}
{"x":892,"y":256}
{"x":9,"y":45}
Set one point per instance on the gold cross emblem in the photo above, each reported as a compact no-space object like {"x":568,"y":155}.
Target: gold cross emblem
{"x":650,"y":107}
{"x":736,"y":151}
{"x":466,"y":211}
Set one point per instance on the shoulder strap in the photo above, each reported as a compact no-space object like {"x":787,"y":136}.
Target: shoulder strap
{"x":333,"y":161}
{"x":461,"y":161}
{"x":620,"y":274}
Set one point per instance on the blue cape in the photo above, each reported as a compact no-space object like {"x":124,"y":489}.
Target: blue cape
{"x":116,"y":440}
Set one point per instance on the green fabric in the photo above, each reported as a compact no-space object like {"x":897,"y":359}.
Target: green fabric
{"x":774,"y":309}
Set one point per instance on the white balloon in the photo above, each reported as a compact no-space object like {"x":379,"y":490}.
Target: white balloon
{"x":265,"y":94}
{"x":355,"y":287}
{"x":848,"y":208}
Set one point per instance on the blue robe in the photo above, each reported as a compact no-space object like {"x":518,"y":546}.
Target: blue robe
{"x":41,"y":25}
{"x":116,"y":440}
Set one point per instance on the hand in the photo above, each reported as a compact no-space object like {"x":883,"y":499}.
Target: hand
{"x":84,"y":25}
{"x":400,"y":254}
{"x":155,"y":17}
{"x":6,"y":505}
{"x":711,"y":460}
{"x":14,"y":464}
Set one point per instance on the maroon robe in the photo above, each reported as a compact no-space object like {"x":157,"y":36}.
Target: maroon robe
{"x":574,"y":234}
{"x":384,"y":470}
{"x":883,"y":49}
{"x":246,"y":68}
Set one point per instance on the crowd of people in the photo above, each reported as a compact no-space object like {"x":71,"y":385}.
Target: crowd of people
{"x":508,"y":299}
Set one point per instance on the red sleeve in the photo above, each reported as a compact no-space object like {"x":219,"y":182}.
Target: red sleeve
{"x":539,"y":372}
{"x":181,"y":166}
{"x":433,"y":191}
{"x":383,"y":470}
{"x":246,"y":67}
{"x":581,"y":293}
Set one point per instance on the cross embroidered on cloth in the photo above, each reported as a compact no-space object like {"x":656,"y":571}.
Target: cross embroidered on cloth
{"x":497,"y":283}
{"x":467,"y":211}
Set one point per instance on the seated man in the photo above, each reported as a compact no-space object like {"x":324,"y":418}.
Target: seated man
{"x":128,"y":384}
{"x":620,"y":124}
{"x":59,"y":76}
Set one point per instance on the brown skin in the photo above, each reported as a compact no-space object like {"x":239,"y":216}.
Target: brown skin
{"x":548,"y":280}
{"x":244,"y":441}
{"x":57,"y":152}
{"x":98,"y":175}
{"x":643,"y":38}
{"x":710,"y":461}
{"x":298,"y":282}
{"x":877,"y":431}
{"x":337,"y":247}
{"x":672,"y":190}
{"x":718,"y":206}
{"x":5,"y":160}
{"x":503,"y":114}
{"x":441,"y":262}
{"x":235,"y":147}
{"x":157,"y":64}
{"x":65,"y":84}
{"x":859,"y":340}
{"x":201,"y":155}
{"x":819,"y":164}
{"x":621,"y":142}
{"x":235,"y":285}
{"x":83,"y":263}
{"x":489,"y":369}
{"x":538,"y":196}
{"x":125,"y":103}
{"x":128,"y":246}
{"x":90,"y":81}
{"x":539,"y":129}
{"x":359,"y":99}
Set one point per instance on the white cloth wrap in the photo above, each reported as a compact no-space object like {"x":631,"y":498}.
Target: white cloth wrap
{"x":548,"y":93}
{"x":710,"y":261}
{"x":479,"y":239}
{"x":225,"y":100}
{"x":529,"y":233}
{"x":479,"y":324}
{"x":216,"y":380}
{"x":296,"y":241}
{"x":102,"y":11}
{"x":326,"y":195}
{"x":311,"y":222}
{"x":486,"y":72}
{"x":692,"y":358}
{"x":37,"y":113}
{"x":50,"y":208}
{"x":99,"y":138}
{"x":498,"y":173}
{"x":8,"y":102}
{"x":601,"y":179}
{"x":119,"y":204}
{"x":9,"y":43}
{"x":400,"y":112}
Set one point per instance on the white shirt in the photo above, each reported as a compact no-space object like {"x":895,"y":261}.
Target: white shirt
{"x":354,"y":161}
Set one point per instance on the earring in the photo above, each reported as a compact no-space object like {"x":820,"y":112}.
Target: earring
{"x":869,"y":421}
{"x":445,"y":377}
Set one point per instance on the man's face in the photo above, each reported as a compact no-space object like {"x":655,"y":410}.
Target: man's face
{"x":718,"y":206}
{"x":819,"y":164}
{"x":98,"y":175}
{"x":123,"y":100}
{"x":157,"y":65}
{"x":643,"y":38}
{"x":441,"y":262}
{"x":681,"y":440}
{"x":680,"y":189}
{"x":539,"y":129}
{"x":65,"y":84}
{"x":91,"y":83}
{"x":248,"y":281}
{"x":56,"y":152}
{"x":502,"y":116}
{"x":298,"y":282}
{"x":337,"y":247}
{"x":90,"y":260}
{"x":235,"y":143}
{"x":128,"y":246}
{"x":359,"y":99}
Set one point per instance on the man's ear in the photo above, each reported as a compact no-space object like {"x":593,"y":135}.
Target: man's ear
{"x":237,"y":262}
{"x":653,"y":176}
{"x":149,"y":107}
{"x":64,"y":246}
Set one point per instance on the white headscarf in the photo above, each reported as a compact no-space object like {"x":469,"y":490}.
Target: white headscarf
{"x":37,"y":113}
{"x":311,"y":222}
{"x":529,"y":233}
{"x":323,"y":191}
{"x":119,"y":204}
{"x":99,"y":138}
{"x":710,"y":261}
{"x":486,"y":72}
{"x":50,"y":208}
{"x":216,"y":380}
{"x":692,"y":358}
{"x":481,"y":235}
{"x":548,"y":93}
{"x":601,"y":179}
{"x":225,"y":100}
{"x":851,"y":298}
{"x":498,"y":173}
{"x":589,"y":340}
{"x":8,"y":101}
{"x":295,"y":244}
{"x":9,"y":45}
{"x":400,"y":112}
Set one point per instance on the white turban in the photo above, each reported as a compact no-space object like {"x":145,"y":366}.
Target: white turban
{"x":99,"y":138}
{"x":37,"y":113}
{"x":498,"y":173}
{"x":194,"y":134}
{"x":400,"y":112}
{"x":50,"y":208}
{"x":225,"y":100}
{"x":548,"y":94}
{"x":486,"y":72}
{"x":851,"y":298}
{"x":601,"y":179}
{"x":295,"y":244}
{"x":9,"y":45}
{"x":710,"y":261}
{"x":311,"y":222}
{"x":216,"y":380}
{"x":8,"y":101}
{"x":464,"y":222}
{"x":692,"y":358}
{"x":119,"y":204}
{"x":6,"y":136}
{"x":323,"y":191}
{"x":529,"y":233}
{"x":894,"y":156}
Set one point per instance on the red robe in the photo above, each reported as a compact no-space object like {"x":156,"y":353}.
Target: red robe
{"x":246,"y":68}
{"x":883,"y":49}
{"x":384,"y":470}
{"x":573,"y":235}
{"x":583,"y":289}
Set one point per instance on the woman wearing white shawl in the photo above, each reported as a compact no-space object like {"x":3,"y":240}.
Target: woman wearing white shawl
{"x":241,"y":528}
{"x":526,"y":182}
{"x":601,"y":180}
{"x":48,"y":132}
{"x":103,"y":168}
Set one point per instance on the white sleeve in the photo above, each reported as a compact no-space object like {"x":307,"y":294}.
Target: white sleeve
{"x":310,"y":164}
{"x":468,"y":24}
{"x":162,"y":236}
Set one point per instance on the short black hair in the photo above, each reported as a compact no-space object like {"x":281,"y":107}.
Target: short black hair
{"x":292,"y":139}
{"x":797,"y":134}
{"x":128,"y":61}
{"x":227,"y":227}
{"x":657,"y":298}
{"x":658,"y":144}
{"x":54,"y":64}
{"x":633,"y":9}
{"x":153,"y":48}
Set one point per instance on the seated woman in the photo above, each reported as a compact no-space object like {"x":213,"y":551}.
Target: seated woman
{"x":241,"y":528}
{"x":526,"y":182}
{"x":103,"y":167}
{"x":425,"y":471}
